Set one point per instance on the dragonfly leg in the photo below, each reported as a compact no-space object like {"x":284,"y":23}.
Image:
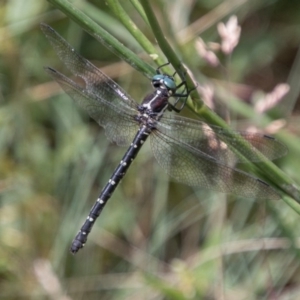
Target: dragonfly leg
{"x":161,"y":66}
{"x":184,"y":95}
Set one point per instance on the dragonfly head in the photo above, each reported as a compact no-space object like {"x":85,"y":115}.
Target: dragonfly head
{"x":166,"y":82}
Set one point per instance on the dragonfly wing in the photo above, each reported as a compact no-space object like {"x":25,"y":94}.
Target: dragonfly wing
{"x":220,"y":143}
{"x":96,"y":81}
{"x":190,"y":166}
{"x":119,"y":124}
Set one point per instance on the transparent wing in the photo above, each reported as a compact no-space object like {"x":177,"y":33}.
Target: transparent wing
{"x":120,"y":127}
{"x":97,"y":83}
{"x":195,"y":168}
{"x":101,"y":97}
{"x":211,"y":139}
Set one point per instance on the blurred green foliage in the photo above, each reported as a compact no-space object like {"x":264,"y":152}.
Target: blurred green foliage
{"x":156,"y":239}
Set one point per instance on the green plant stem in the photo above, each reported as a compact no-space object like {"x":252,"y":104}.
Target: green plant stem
{"x":103,"y":37}
{"x":138,"y":7}
{"x":133,"y":29}
{"x":164,"y":45}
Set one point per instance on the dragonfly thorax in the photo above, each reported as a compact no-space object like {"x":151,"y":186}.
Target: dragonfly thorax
{"x":155,"y":104}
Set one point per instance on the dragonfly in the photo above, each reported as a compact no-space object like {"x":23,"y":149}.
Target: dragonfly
{"x":190,"y":151}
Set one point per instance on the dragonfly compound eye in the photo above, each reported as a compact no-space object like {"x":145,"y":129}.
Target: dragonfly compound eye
{"x":169,"y":83}
{"x":157,"y":80}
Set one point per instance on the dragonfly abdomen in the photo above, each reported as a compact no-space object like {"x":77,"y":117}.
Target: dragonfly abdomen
{"x":107,"y":191}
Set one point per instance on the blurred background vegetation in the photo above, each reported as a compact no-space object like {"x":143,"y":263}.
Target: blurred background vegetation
{"x":156,"y":239}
